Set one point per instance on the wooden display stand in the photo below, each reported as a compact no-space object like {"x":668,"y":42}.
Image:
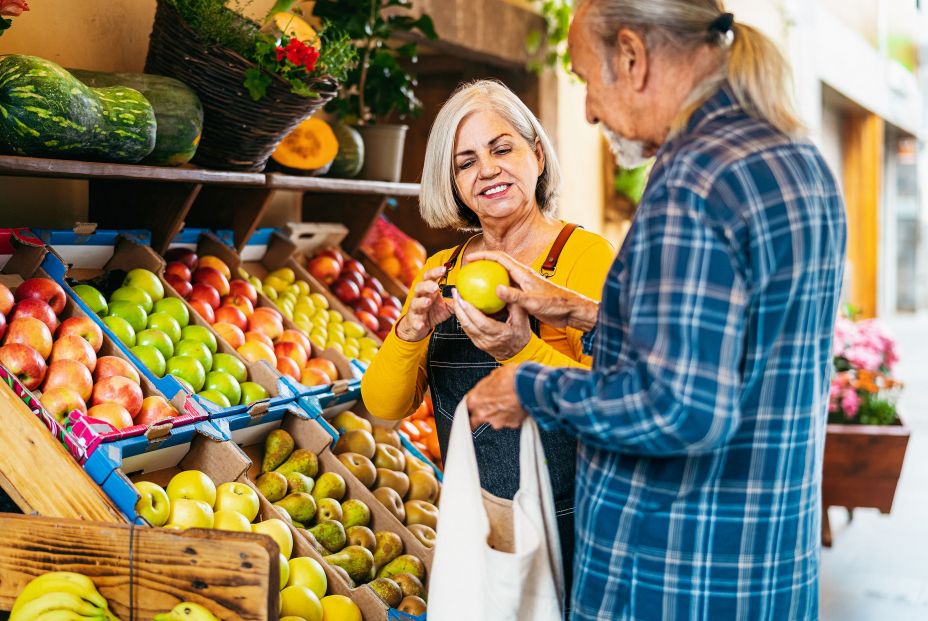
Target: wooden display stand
{"x":145,"y":571}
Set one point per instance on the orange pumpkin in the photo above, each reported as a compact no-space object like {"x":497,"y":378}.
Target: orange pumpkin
{"x":309,"y":149}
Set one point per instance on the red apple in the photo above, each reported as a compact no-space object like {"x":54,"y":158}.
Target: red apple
{"x":113,"y":366}
{"x":84,"y":327}
{"x":390,"y":313}
{"x":392,"y":300}
{"x":154,"y":409}
{"x":181,"y":286}
{"x":376,"y":285}
{"x":365,"y":304}
{"x":25,"y":363}
{"x":6,"y":300}
{"x":32,"y":332}
{"x":255,"y":351}
{"x":240,"y":302}
{"x":270,"y":312}
{"x":369,"y":320}
{"x":176,"y":268}
{"x":335,"y":254}
{"x":354,"y":277}
{"x":111,"y":413}
{"x":233,"y":335}
{"x":33,"y":307}
{"x":253,"y":335}
{"x":61,"y":401}
{"x":184,"y":255}
{"x":324,"y":268}
{"x":2,"y":326}
{"x":43,"y":289}
{"x":382,"y":335}
{"x":204,"y":310}
{"x":230,"y":314}
{"x":296,"y":336}
{"x":217,"y":264}
{"x":243,"y":288}
{"x":69,"y":374}
{"x":206,"y":293}
{"x":74,"y":348}
{"x":287,"y":366}
{"x":326,"y":366}
{"x":384,"y":324}
{"x":353,"y":265}
{"x":314,"y":377}
{"x":119,"y":390}
{"x":212,"y":277}
{"x":294,"y":351}
{"x":266,"y":324}
{"x":346,"y":290}
{"x":371,"y":294}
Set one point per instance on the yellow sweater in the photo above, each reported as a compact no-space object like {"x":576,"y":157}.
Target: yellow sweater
{"x":396,"y":380}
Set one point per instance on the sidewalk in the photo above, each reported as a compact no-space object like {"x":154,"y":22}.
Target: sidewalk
{"x":877,"y":569}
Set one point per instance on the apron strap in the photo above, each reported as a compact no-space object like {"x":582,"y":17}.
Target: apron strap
{"x":550,"y":264}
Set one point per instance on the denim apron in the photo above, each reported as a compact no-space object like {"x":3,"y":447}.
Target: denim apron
{"x":455,"y":365}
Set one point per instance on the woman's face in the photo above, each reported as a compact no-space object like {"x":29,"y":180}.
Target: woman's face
{"x":495,"y":169}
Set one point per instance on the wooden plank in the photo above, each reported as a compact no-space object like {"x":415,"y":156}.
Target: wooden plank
{"x":235,"y":575}
{"x":157,"y":206}
{"x":239,"y":209}
{"x":358,"y":213}
{"x":862,"y":465}
{"x":280,"y":181}
{"x":38,"y":472}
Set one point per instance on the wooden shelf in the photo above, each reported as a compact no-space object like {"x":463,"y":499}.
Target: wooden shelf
{"x":278,"y":181}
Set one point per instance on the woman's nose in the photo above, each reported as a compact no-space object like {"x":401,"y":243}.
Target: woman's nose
{"x":488,"y":168}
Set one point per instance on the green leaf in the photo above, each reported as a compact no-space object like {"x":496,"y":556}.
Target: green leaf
{"x":533,"y":42}
{"x":426,"y":27}
{"x":256,"y":81}
{"x":281,"y":6}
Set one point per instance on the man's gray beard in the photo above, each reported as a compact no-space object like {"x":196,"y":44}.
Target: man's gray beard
{"x":627,"y":153}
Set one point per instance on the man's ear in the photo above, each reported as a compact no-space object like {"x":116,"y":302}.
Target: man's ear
{"x":631,"y":58}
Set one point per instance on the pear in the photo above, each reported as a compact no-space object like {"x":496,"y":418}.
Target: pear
{"x":342,"y":574}
{"x":403,"y":564}
{"x":389,"y":457}
{"x":385,"y":435}
{"x":361,"y":536}
{"x":412,"y":605}
{"x":387,"y":590}
{"x":272,"y":485}
{"x":328,"y":509}
{"x":410,"y":585}
{"x":301,"y":506}
{"x":329,"y":485}
{"x":299,"y":482}
{"x":425,"y":534}
{"x":277,"y":448}
{"x":355,"y":513}
{"x":357,"y":441}
{"x":349,"y":420}
{"x":421,"y":512}
{"x":311,"y":538}
{"x":392,"y":501}
{"x":422,"y":486}
{"x":330,"y":534}
{"x":396,"y":480}
{"x":388,"y":547}
{"x":302,"y":461}
{"x":357,"y":561}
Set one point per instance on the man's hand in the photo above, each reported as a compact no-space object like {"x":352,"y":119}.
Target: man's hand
{"x":556,"y":306}
{"x":494,"y":401}
{"x":500,"y":340}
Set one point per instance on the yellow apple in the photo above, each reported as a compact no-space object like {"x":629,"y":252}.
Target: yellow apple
{"x":193,"y":485}
{"x":239,"y":497}
{"x":278,"y":531}
{"x":305,"y":571}
{"x":153,"y":503}
{"x":284,"y":572}
{"x":189,"y":513}
{"x":226,"y":519}
{"x":477,"y":282}
{"x":341,"y":608}
{"x":299,"y":601}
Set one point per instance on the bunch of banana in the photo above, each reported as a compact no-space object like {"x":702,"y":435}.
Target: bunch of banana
{"x":186,"y":611}
{"x":61,"y":596}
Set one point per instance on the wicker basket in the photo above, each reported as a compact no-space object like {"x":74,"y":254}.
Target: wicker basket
{"x":238,"y":132}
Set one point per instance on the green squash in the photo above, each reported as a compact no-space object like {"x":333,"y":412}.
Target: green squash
{"x":47,"y":112}
{"x":350,"y":157}
{"x":177,"y":109}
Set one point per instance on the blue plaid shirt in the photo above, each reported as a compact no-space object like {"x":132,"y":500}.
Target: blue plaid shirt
{"x":701,"y":423}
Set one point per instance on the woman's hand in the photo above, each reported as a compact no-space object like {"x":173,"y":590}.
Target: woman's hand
{"x":426,"y":310}
{"x":551,"y":304}
{"x":500,"y":340}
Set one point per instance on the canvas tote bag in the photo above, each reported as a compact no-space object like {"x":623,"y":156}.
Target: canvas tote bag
{"x":495,"y":559}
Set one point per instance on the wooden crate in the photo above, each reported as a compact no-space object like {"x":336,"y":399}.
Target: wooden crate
{"x":235,"y":575}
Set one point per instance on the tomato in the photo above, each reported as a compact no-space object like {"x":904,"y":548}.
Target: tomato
{"x":409,"y":429}
{"x":424,"y":426}
{"x":422,"y":447}
{"x":431,"y":441}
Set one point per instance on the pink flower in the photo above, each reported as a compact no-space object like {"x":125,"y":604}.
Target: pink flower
{"x":13,"y":8}
{"x":850,"y":402}
{"x":866,"y":358}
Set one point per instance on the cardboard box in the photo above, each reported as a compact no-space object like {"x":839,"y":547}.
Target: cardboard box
{"x":86,"y":245}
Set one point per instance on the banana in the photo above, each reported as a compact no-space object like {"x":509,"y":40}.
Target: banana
{"x":60,"y":582}
{"x":185,"y":611}
{"x":63,"y":615}
{"x":56,"y":601}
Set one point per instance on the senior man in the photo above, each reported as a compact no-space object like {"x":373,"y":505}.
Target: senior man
{"x":701,"y":424}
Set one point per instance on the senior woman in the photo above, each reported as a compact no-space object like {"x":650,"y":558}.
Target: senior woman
{"x":490,"y":167}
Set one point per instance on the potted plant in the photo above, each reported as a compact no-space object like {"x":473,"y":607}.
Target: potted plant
{"x":379,"y":90}
{"x":865,"y":440}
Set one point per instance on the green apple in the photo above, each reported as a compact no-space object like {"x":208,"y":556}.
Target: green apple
{"x":231,"y":520}
{"x":231,"y":365}
{"x":151,"y":357}
{"x":336,"y":317}
{"x":224,"y":383}
{"x":185,"y":385}
{"x":166,"y":323}
{"x":239,"y":497}
{"x":221,"y":401}
{"x":153,"y":503}
{"x":176,"y":308}
{"x":131,"y":312}
{"x":277,"y":530}
{"x":122,"y":329}
{"x":252,"y":392}
{"x":188,"y":369}
{"x":351,"y":351}
{"x":300,"y":601}
{"x":197,"y":350}
{"x":189,"y":513}
{"x":157,"y":339}
{"x":367,"y":342}
{"x":353,"y":329}
{"x":306,"y":571}
{"x":336,"y":328}
{"x":319,"y":301}
{"x":134,"y":295}
{"x":202,"y":334}
{"x":144,"y":279}
{"x":92,"y":298}
{"x":192,"y":484}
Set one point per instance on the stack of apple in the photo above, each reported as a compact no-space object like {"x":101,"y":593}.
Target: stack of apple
{"x":107,"y":388}
{"x":397,"y":254}
{"x":419,"y":428}
{"x":310,"y":312}
{"x":192,"y":500}
{"x":350,"y":283}
{"x":339,"y":528}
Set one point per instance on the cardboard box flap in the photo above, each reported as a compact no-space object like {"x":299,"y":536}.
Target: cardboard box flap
{"x":26,"y":259}
{"x":309,"y":237}
{"x":129,"y":255}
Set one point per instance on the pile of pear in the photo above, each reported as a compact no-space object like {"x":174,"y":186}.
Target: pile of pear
{"x":337,"y":527}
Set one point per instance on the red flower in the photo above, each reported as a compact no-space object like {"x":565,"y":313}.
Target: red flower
{"x":281,"y":52}
{"x":13,"y":8}
{"x":310,"y":60}
{"x":299,"y":54}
